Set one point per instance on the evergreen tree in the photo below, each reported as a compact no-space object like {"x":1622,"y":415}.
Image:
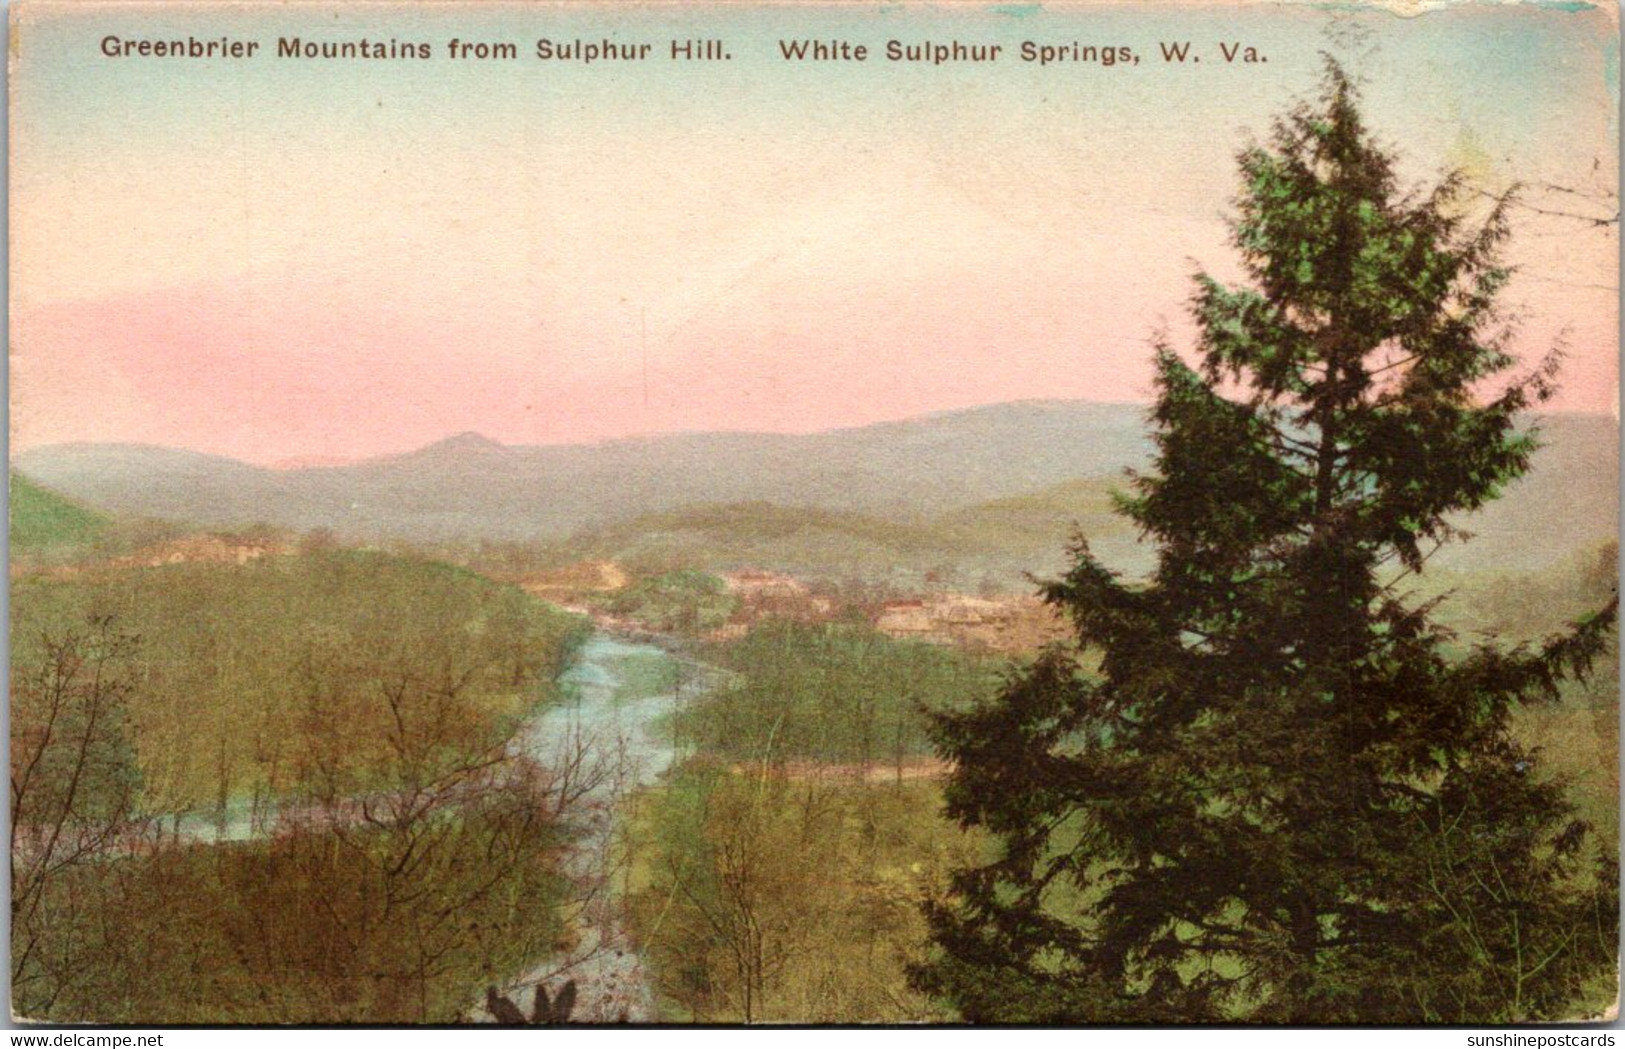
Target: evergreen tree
{"x":1288,"y":794}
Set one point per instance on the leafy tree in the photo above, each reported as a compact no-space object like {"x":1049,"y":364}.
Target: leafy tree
{"x":828,"y":693}
{"x":1288,"y":794}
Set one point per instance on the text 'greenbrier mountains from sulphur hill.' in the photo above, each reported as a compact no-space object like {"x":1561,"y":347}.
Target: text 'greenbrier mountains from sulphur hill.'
{"x":606,"y":51}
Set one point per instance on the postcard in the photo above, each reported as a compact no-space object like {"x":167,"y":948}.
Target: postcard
{"x":876,"y":513}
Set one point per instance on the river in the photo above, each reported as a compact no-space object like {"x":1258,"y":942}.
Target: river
{"x":612,"y":730}
{"x":614,"y":726}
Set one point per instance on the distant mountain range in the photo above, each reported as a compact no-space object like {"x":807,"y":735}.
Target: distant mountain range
{"x":469,"y":486}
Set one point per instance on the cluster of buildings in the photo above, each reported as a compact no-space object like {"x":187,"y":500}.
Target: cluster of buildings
{"x":996,"y":624}
{"x":1003,"y":624}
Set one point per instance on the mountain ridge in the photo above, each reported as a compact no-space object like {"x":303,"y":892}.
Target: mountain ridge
{"x":470,"y":487}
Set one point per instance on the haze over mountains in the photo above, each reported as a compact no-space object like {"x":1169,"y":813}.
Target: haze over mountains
{"x":470,"y":487}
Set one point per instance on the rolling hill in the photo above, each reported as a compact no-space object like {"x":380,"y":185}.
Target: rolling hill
{"x":1000,"y":484}
{"x":470,"y":486}
{"x":42,"y":519}
{"x":1000,"y":539}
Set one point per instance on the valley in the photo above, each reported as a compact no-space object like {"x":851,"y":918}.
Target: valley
{"x":687,"y":738}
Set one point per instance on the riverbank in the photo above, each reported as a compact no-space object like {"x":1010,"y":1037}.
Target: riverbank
{"x":609,"y":736}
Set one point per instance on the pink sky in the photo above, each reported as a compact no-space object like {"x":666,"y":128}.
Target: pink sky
{"x":272,"y":263}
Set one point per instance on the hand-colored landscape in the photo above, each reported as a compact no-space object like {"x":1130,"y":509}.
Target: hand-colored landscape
{"x":577,"y":548}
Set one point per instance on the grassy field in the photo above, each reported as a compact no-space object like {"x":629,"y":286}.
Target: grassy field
{"x":42,"y":520}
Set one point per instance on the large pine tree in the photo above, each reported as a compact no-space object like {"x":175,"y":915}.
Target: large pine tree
{"x":1285,"y":793}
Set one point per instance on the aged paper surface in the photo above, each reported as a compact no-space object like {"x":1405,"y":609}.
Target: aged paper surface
{"x":1062,"y":513}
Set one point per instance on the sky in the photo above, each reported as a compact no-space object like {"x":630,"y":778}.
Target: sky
{"x":286,"y":260}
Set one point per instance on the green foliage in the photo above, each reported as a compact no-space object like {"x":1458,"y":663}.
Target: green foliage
{"x":1577,"y":737}
{"x":1027,"y":523}
{"x":998,"y":537}
{"x":683,"y":602}
{"x":1291,"y":794}
{"x":753,"y":525}
{"x":829,"y":693}
{"x":770,"y":898}
{"x":42,"y":519}
{"x":408,"y":856}
{"x":270,"y":678}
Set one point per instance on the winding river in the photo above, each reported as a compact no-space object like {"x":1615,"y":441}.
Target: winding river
{"x":612,"y":727}
{"x":619,"y":693}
